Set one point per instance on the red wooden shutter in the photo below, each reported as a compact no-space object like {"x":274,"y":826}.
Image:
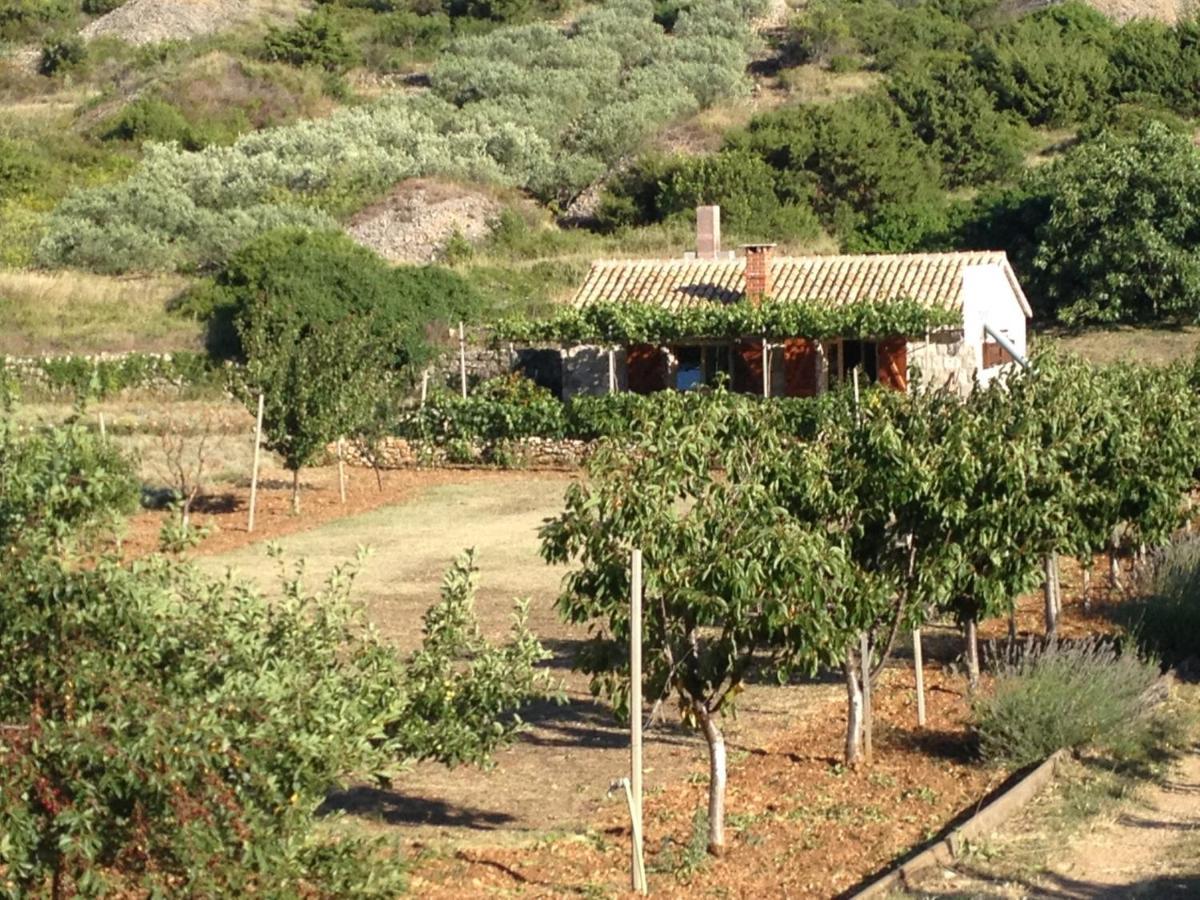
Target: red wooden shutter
{"x":892,"y":359}
{"x":801,"y":367}
{"x":647,"y":368}
{"x":747,"y":366}
{"x":995,"y":355}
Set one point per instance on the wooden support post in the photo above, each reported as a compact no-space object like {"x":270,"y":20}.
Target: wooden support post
{"x":766,"y":368}
{"x":612,"y":370}
{"x":424,"y":386}
{"x":919,"y":670}
{"x":103,"y":432}
{"x":865,"y":653}
{"x":635,"y":717}
{"x":254,"y":470}
{"x":462,"y":359}
{"x":341,"y":472}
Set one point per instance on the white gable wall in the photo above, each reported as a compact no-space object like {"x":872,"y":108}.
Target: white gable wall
{"x":989,"y":298}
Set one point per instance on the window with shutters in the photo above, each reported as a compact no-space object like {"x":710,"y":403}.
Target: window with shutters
{"x":845,"y":356}
{"x":995,"y":355}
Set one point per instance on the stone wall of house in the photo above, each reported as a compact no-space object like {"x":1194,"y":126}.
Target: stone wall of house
{"x":585,"y":370}
{"x":526,"y":453}
{"x":482,"y":362}
{"x":944,"y":360}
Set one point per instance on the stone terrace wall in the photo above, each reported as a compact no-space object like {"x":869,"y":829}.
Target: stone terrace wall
{"x":529,"y":453}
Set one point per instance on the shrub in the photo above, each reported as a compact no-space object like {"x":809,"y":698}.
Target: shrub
{"x":1050,"y":67}
{"x":23,"y":19}
{"x":955,"y":117}
{"x":316,"y":39}
{"x":62,"y":53}
{"x":1149,"y":58}
{"x":21,"y":170}
{"x":867,"y":173}
{"x":232,"y":716}
{"x":100,"y":7}
{"x":60,"y":486}
{"x":1090,"y":695}
{"x":1165,"y":619}
{"x":150,"y":119}
{"x":1120,"y":241}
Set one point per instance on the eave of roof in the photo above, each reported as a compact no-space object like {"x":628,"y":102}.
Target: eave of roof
{"x":931,"y":278}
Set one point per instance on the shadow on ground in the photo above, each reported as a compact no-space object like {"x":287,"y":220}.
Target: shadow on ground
{"x":397,"y":808}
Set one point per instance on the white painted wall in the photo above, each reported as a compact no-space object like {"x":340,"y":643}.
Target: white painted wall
{"x":988,"y":297}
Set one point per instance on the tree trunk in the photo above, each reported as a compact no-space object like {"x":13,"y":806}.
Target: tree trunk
{"x":1114,"y":567}
{"x":296,"y":492}
{"x":1087,"y":588}
{"x":1012,"y":625}
{"x":854,"y":717}
{"x":1050,"y":590}
{"x":716,"y":780}
{"x":972,"y":655}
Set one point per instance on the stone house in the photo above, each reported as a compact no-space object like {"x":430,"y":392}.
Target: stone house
{"x":981,"y":285}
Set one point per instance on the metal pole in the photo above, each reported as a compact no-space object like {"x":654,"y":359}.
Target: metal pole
{"x":919,"y":669}
{"x":635,"y":716}
{"x":254,"y":471}
{"x":462,"y":359}
{"x":1007,"y":345}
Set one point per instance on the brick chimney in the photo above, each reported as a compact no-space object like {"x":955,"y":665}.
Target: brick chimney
{"x":758,"y":271}
{"x":708,"y":232}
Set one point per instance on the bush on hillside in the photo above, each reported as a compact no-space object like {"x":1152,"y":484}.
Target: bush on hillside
{"x":1050,"y":67}
{"x":319,"y":278}
{"x":21,"y":169}
{"x":61,"y":54}
{"x":860,"y":164}
{"x":1165,"y":619}
{"x":150,"y":119}
{"x":1120,"y":242}
{"x":956,"y":118}
{"x":315,"y":40}
{"x":1154,"y":59}
{"x":24,"y":19}
{"x":100,"y":7}
{"x":1086,"y":696}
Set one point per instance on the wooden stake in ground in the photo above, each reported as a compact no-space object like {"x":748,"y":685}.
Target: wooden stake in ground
{"x":865,"y":654}
{"x":341,"y":472}
{"x":424,"y":386}
{"x":919,"y":671}
{"x":612,"y":371}
{"x":635,"y":718}
{"x":103,"y":433}
{"x":254,"y":470}
{"x":766,"y":368}
{"x":972,"y":654}
{"x":462,"y":359}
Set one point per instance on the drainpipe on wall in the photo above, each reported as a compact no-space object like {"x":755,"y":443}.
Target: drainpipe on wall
{"x":1007,"y":345}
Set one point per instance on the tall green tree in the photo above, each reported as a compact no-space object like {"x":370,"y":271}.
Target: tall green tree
{"x":733,"y":582}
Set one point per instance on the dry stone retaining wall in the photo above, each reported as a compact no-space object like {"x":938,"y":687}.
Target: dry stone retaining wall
{"x":534,"y":452}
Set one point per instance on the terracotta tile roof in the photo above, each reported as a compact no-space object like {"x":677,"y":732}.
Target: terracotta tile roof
{"x":932,"y":278}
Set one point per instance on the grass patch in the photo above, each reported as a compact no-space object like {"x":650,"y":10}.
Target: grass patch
{"x":1156,"y":346}
{"x":82,"y":313}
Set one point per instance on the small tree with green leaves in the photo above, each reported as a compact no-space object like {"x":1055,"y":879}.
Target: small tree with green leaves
{"x":733,"y":581}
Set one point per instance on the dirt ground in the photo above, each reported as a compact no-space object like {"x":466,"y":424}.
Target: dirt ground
{"x":1146,"y":845}
{"x":541,"y":822}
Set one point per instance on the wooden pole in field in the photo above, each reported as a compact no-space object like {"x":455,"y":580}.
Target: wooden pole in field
{"x":919,"y":669}
{"x":766,"y":368}
{"x":341,"y":472}
{"x":612,"y":370}
{"x":635,"y":718}
{"x":254,"y":471}
{"x":462,"y":359}
{"x":103,"y":433}
{"x":424,"y":386}
{"x":865,"y":653}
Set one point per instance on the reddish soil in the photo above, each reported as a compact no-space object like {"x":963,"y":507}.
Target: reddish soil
{"x":226,"y":507}
{"x":799,"y":824}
